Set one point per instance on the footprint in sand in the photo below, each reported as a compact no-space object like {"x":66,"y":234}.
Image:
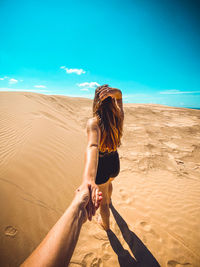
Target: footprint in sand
{"x":104,"y":248}
{"x":172,"y":263}
{"x":86,"y":261}
{"x":97,"y":262}
{"x":90,"y":261}
{"x":75,"y":264}
{"x":124,"y":196}
{"x":100,"y":237}
{"x":180,"y":164}
{"x":147,"y":228}
{"x":10,"y":231}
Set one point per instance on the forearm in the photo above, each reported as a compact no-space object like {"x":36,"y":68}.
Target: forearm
{"x":91,"y":163}
{"x":57,"y":247}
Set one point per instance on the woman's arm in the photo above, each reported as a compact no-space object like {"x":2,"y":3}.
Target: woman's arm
{"x":114,"y":93}
{"x":91,"y":164}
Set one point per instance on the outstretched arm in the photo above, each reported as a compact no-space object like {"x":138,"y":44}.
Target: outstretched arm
{"x":58,"y":246}
{"x":91,"y":164}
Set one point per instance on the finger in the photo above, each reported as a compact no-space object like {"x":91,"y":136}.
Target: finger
{"x":99,"y":202}
{"x":90,"y":204}
{"x":104,"y":97}
{"x":100,"y":197}
{"x":87,"y":210}
{"x":91,"y":210}
{"x":103,"y":93}
{"x":104,"y":90}
{"x":93,"y":195}
{"x":96,"y":197}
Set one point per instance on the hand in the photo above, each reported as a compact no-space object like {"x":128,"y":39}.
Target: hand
{"x":95,"y":199}
{"x":112,"y":92}
{"x":84,"y":198}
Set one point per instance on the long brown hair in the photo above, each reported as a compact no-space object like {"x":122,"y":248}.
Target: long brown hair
{"x":109,"y":120}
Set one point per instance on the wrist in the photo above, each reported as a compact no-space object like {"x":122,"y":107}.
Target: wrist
{"x":76,"y":205}
{"x":79,"y":211}
{"x":88,"y":180}
{"x":76,"y":210}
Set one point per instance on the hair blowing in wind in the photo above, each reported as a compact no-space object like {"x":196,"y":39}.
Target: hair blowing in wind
{"x":109,"y":120}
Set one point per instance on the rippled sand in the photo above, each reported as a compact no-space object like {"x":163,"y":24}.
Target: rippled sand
{"x":155,"y":213}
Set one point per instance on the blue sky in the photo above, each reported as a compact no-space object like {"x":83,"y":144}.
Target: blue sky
{"x":149,"y":49}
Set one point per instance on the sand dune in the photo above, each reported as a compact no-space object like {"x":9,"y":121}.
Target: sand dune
{"x":156,"y":212}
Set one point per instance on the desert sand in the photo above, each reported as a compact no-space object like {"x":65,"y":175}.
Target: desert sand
{"x":155,"y":215}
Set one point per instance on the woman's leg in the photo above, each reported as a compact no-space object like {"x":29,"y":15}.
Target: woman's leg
{"x":104,"y":206}
{"x":110,"y":189}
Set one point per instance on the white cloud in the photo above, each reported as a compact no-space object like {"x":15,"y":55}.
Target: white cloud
{"x":40,"y":86}
{"x":13,"y":81}
{"x":177,"y":92}
{"x":77,"y":71}
{"x":5,"y":77}
{"x":90,"y":85}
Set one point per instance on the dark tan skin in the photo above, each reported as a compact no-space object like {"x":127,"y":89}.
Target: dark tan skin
{"x":57,"y":247}
{"x":91,"y":161}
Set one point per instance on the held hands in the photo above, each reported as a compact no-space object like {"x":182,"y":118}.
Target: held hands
{"x":88,"y":197}
{"x":95,"y":199}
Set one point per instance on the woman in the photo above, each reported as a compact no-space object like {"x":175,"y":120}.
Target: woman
{"x":102,"y":164}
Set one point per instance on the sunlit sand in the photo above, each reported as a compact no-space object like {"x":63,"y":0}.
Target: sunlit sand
{"x":155,"y":201}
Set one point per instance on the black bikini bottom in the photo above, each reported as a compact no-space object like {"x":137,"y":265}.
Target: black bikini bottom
{"x":108,"y":167}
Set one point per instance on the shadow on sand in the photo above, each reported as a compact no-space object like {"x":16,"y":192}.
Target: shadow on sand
{"x":143,"y":257}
